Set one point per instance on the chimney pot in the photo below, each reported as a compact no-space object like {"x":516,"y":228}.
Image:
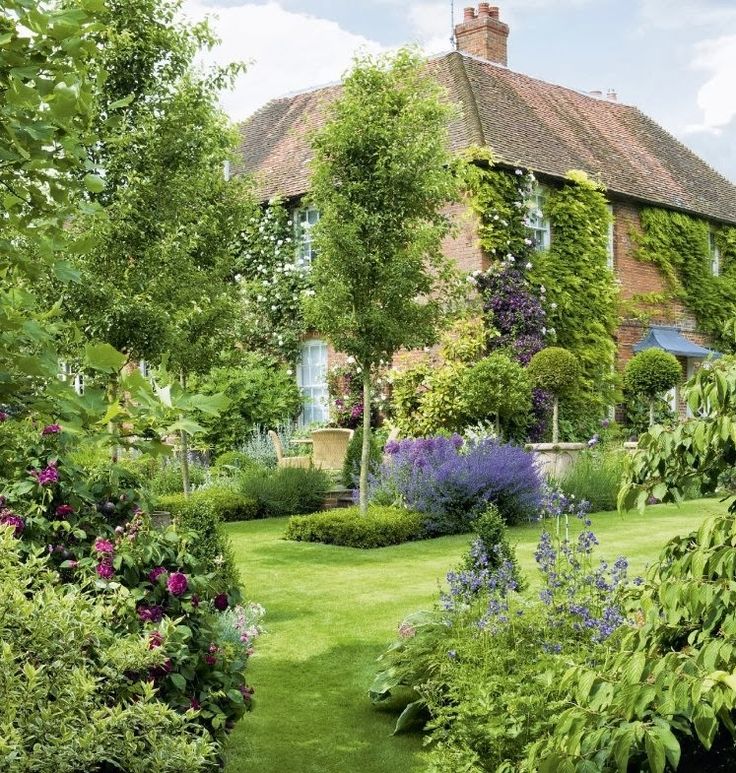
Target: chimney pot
{"x":597,"y":94}
{"x":469,"y":14}
{"x":494,"y":12}
{"x":611,"y":95}
{"x":484,"y":10}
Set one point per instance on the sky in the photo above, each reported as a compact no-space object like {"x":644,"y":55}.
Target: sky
{"x":673,"y":59}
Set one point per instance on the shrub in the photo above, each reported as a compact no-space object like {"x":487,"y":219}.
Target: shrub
{"x":261,"y":392}
{"x":168,"y":478}
{"x":557,"y":372}
{"x":452,"y":482}
{"x":498,"y":387}
{"x":233,"y":461}
{"x":258,"y":446}
{"x":287,"y":491}
{"x":73,"y":688}
{"x":351,"y":465}
{"x":379,"y":527}
{"x":650,"y":374}
{"x":596,"y":477}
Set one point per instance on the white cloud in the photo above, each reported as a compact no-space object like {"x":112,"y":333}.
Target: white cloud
{"x":716,"y":97}
{"x":288,"y":51}
{"x":675,"y":14}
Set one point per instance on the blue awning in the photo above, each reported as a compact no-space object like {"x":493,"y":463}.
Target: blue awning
{"x":671,"y":340}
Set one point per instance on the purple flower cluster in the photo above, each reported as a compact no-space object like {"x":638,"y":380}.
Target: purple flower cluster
{"x":64,"y":511}
{"x":4,"y":416}
{"x":150,"y":614}
{"x":154,"y":574}
{"x":451,"y":481}
{"x":177,"y":584}
{"x":51,"y":429}
{"x":48,"y":476}
{"x":9,"y":518}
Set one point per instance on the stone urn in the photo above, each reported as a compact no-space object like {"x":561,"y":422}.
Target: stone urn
{"x":553,"y":460}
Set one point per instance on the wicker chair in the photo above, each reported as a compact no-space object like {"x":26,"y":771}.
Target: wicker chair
{"x":330,"y":446}
{"x":287,"y":461}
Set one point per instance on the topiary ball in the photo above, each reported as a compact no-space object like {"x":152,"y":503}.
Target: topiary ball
{"x":554,"y":370}
{"x":652,"y":372}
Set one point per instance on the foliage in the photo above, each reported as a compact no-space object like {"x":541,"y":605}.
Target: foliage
{"x":351,"y":465}
{"x":555,"y":370}
{"x":695,"y":453}
{"x":596,"y":477}
{"x":274,"y":282}
{"x":167,"y":478}
{"x":666,"y":693}
{"x":53,"y":686}
{"x":380,"y":179}
{"x":576,"y":277}
{"x":497,"y":387}
{"x":345,"y":389}
{"x":258,"y":446}
{"x":232,"y":461}
{"x":378,"y":527}
{"x":286,"y":491}
{"x":652,"y":372}
{"x":679,"y":246}
{"x":260,"y":391}
{"x":452,"y":482}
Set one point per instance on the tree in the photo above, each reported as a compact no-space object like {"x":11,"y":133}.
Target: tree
{"x":159,"y":283}
{"x":498,"y":386}
{"x":381,"y":175}
{"x":557,"y":371}
{"x":650,"y":374}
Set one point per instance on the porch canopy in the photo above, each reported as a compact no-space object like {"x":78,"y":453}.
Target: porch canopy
{"x":671,"y":340}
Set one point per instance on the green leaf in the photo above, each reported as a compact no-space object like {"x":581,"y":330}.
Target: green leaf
{"x":410,"y":717}
{"x":178,"y":681}
{"x":655,"y":753}
{"x":94,"y":183}
{"x":104,"y":358}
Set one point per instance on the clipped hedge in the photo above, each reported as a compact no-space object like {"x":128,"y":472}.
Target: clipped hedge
{"x":381,"y":526}
{"x":228,"y":505}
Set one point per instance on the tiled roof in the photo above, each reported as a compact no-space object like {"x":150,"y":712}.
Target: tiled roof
{"x":527,"y":122}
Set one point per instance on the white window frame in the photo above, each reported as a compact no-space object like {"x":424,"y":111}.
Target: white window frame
{"x":537,"y":223}
{"x":610,"y":242}
{"x":715,"y":254}
{"x":311,"y":378}
{"x":68,"y":376}
{"x":144,"y":368}
{"x":305,"y":219}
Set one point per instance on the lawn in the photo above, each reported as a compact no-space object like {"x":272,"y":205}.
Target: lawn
{"x":330,"y":613}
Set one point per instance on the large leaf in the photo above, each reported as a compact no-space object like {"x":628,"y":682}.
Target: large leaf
{"x":104,"y":358}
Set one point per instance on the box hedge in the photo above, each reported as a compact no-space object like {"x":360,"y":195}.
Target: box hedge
{"x":380,"y":526}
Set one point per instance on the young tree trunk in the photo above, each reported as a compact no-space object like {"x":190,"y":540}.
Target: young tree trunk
{"x":556,"y":420}
{"x":498,"y":426}
{"x":651,"y":413}
{"x":184,"y":441}
{"x":365,"y":458}
{"x":112,"y":395}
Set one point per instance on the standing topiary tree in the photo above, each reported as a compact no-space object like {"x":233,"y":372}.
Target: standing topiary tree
{"x":498,"y":386}
{"x":381,"y":175}
{"x":650,"y":374}
{"x":557,"y":371}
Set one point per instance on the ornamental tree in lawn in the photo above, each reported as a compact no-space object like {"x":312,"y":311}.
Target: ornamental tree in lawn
{"x":650,"y":374}
{"x":557,"y":371}
{"x":381,"y":175}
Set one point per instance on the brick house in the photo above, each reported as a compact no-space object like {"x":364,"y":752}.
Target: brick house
{"x":530,"y":123}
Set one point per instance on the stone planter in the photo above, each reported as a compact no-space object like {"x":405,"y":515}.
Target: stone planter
{"x":161,"y":520}
{"x":553,"y":460}
{"x":631,"y":446}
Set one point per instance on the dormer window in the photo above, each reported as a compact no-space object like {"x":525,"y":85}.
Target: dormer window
{"x":536,"y":221}
{"x":715,"y":254}
{"x":304,"y":221}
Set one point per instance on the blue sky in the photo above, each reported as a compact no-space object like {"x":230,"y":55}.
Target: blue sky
{"x":674,"y":59}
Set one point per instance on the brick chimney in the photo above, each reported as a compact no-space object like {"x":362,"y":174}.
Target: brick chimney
{"x":482,"y":34}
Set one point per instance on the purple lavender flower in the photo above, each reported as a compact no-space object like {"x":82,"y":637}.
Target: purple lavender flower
{"x":177,"y":584}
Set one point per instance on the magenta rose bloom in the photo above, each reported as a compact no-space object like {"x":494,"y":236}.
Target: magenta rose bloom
{"x":155,"y":639}
{"x":177,"y":584}
{"x":4,"y":416}
{"x":47,"y":476}
{"x":8,"y":518}
{"x":221,"y":602}
{"x":154,"y":574}
{"x":64,"y":511}
{"x":152,"y":614}
{"x":52,"y":429}
{"x":104,"y":546}
{"x":105,"y":570}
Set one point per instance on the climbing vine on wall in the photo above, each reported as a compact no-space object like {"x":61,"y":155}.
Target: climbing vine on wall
{"x":274,"y":282}
{"x":575,"y":273}
{"x":679,"y":245}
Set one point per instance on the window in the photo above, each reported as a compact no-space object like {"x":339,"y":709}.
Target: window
{"x":312,"y":380}
{"x":144,"y":369}
{"x":715,"y":254}
{"x":536,"y":221}
{"x":609,"y":242}
{"x":304,"y":221}
{"x":75,"y":380}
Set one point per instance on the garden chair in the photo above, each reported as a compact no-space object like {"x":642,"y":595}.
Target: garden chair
{"x":287,"y":461}
{"x":330,"y":447}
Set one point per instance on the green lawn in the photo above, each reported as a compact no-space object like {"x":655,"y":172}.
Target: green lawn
{"x":330,"y":613}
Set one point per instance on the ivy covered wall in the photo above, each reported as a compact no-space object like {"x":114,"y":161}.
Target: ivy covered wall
{"x":679,"y":245}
